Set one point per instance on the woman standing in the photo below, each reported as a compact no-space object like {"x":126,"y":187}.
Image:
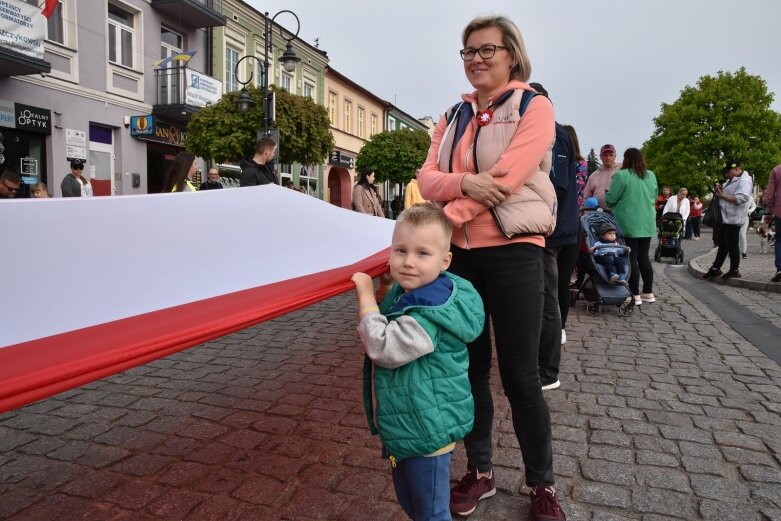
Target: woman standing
{"x":75,"y":184}
{"x":695,"y":216}
{"x":678,"y":204}
{"x":366,"y":198}
{"x":631,"y":196}
{"x":504,"y":174}
{"x":177,"y":179}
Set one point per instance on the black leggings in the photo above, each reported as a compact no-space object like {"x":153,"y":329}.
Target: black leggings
{"x":641,"y":265}
{"x":566,"y":259}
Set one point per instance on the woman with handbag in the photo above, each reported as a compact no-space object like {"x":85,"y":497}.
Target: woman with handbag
{"x":486,"y":156}
{"x":366,"y":198}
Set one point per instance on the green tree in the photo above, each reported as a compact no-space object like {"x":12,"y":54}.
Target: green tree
{"x":592,"y":162}
{"x":728,"y":115}
{"x":222,"y":133}
{"x":395,"y":155}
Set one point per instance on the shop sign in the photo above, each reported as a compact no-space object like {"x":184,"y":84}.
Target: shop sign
{"x":22,"y":28}
{"x":162,"y":132}
{"x":6,"y":113}
{"x":339,"y":158}
{"x":142,"y":125}
{"x":33,"y":119}
{"x":201,"y":89}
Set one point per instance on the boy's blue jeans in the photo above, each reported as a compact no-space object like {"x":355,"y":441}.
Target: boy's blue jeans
{"x":423,"y":487}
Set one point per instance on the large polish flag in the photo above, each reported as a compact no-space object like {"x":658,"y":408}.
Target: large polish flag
{"x":94,"y":286}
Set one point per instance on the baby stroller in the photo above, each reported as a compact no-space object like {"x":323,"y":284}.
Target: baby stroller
{"x":596,"y":288}
{"x":670,"y":230}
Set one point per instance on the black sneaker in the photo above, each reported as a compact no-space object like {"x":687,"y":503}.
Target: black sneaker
{"x":776,"y":277}
{"x":744,"y":256}
{"x":712,"y":273}
{"x":731,"y":274}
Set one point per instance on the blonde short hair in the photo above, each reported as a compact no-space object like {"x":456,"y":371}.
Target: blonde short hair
{"x":423,"y":214}
{"x":511,"y":38}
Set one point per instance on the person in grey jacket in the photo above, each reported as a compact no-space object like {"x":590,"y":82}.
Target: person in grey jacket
{"x":75,"y":184}
{"x":733,"y":199}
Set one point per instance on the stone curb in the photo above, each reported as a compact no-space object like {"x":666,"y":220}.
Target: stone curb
{"x":697,"y":271}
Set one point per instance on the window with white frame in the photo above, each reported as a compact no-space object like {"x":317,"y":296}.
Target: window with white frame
{"x":361,"y":122}
{"x":373,"y":125}
{"x":231,"y":59}
{"x":285,"y":173}
{"x":332,"y":108}
{"x":348,"y":116}
{"x":309,"y":90}
{"x":120,"y":36}
{"x":286,"y":82}
{"x":55,"y":28}
{"x":391,"y":123}
{"x":258,"y":76}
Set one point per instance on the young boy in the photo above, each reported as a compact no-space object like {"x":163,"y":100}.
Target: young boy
{"x":610,"y":254}
{"x":416,"y":387}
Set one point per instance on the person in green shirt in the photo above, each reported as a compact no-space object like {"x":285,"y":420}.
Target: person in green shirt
{"x":631,"y":198}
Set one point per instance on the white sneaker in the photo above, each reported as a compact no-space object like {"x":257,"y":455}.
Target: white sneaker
{"x":552,"y":385}
{"x":638,"y":300}
{"x":563,"y":337}
{"x":647,"y":297}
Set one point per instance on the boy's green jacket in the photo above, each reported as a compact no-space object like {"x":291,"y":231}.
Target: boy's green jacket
{"x":425,"y":404}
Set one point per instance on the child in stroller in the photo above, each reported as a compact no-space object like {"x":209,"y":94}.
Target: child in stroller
{"x":670,"y":237}
{"x":603,"y":283}
{"x":611,"y":254}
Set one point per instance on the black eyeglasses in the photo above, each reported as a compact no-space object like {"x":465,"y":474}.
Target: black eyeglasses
{"x":11,"y":188}
{"x":486,"y":51}
{"x":78,"y":167}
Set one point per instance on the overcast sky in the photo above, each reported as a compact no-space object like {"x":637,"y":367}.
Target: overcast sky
{"x":607,"y":64}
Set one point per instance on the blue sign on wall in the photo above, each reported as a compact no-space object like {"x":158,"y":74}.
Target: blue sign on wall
{"x":142,"y":125}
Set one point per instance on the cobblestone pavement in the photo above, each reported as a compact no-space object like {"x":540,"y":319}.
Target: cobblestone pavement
{"x":667,"y":414}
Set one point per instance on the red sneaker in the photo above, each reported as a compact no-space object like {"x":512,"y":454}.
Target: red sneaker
{"x":470,"y":490}
{"x":545,"y":505}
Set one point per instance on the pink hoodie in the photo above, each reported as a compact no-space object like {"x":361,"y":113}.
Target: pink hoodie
{"x":474,"y":224}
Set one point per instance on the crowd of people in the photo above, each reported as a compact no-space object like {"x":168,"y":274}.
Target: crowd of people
{"x":513,"y":231}
{"x":489,"y":268}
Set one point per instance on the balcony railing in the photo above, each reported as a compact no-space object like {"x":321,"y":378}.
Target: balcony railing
{"x":170,"y":84}
{"x":196,"y":13}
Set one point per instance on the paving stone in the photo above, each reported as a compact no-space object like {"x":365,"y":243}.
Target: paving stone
{"x":685,"y":434}
{"x":611,"y":454}
{"x":761,"y":473}
{"x":734,"y":439}
{"x":665,"y":502}
{"x":16,"y":500}
{"x":608,"y":472}
{"x":260,"y":490}
{"x":10,"y":439}
{"x":363,"y":509}
{"x":602,"y":494}
{"x":720,"y":489}
{"x":716,"y":510}
{"x":739,"y":455}
{"x":660,"y":459}
{"x":618,"y":439}
{"x":663,"y":478}
{"x":92,"y":485}
{"x":704,"y":466}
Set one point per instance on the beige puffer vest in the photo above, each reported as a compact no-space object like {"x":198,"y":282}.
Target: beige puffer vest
{"x":531,"y":209}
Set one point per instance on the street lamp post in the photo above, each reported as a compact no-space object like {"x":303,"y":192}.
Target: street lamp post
{"x":289,"y":59}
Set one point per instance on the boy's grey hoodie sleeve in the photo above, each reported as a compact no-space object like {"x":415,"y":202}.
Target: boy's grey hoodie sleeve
{"x":396,"y":343}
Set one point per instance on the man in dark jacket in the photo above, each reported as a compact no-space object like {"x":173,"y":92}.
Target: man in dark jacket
{"x":256,"y":171}
{"x":561,"y":251}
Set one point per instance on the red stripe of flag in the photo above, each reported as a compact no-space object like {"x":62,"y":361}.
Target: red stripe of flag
{"x":49,"y":7}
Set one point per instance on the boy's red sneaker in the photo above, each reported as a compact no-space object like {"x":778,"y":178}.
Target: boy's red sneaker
{"x":471,"y":489}
{"x":544,"y":505}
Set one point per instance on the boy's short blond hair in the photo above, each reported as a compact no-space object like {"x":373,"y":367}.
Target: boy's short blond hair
{"x":424,"y":214}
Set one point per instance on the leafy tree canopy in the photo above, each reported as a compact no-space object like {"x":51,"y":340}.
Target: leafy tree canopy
{"x":395,"y":155}
{"x":722,"y":117}
{"x":222,"y":133}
